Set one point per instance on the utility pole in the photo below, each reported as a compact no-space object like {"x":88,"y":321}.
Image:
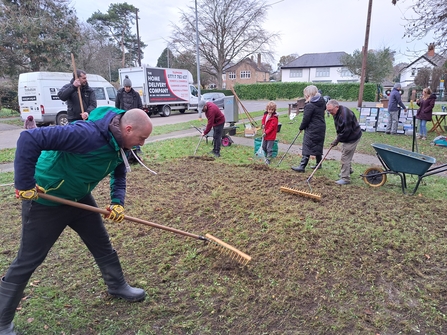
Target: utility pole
{"x":198,"y":58}
{"x":365,"y":55}
{"x":138,"y":38}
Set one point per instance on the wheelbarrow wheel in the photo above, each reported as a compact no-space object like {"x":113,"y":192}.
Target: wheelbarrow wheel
{"x":226,"y":142}
{"x":374,"y":177}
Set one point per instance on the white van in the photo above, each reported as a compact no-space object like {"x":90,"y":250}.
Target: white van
{"x":37,"y":95}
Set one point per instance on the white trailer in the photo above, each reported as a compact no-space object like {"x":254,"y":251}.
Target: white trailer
{"x":37,"y":93}
{"x":162,"y":90}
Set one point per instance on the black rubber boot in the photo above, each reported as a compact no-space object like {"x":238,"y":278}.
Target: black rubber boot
{"x":114,"y":278}
{"x":302,"y":165}
{"x":318,"y":159}
{"x":10,"y":296}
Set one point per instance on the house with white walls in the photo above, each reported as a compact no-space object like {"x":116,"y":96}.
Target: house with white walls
{"x":430,"y":60}
{"x":318,"y":68}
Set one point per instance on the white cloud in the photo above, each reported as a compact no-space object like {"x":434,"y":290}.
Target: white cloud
{"x":305,"y":26}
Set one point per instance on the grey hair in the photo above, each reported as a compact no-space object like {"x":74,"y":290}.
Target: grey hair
{"x":333,"y":102}
{"x":397,"y":86}
{"x":310,"y":91}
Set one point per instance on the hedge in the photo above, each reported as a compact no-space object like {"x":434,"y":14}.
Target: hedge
{"x":294,"y":90}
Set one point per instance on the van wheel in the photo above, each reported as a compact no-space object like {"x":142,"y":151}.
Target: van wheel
{"x":165,"y":110}
{"x":62,"y":119}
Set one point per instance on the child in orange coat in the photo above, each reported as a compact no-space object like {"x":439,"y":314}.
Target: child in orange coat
{"x":270,"y":125}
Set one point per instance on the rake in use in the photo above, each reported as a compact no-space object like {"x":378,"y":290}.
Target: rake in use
{"x":291,"y":144}
{"x":316,"y":196}
{"x":214,"y":242}
{"x":311,"y":194}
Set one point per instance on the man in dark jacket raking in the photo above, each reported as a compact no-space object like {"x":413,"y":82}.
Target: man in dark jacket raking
{"x":349,"y":133}
{"x":68,"y":162}
{"x":69,"y":94}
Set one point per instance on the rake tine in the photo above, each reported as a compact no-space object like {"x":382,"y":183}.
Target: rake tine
{"x":229,"y":250}
{"x":315,"y":196}
{"x":293,"y":142}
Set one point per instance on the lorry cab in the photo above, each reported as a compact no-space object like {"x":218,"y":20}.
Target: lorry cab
{"x":37,"y":95}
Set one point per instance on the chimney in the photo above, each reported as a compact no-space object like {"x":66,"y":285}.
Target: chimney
{"x":431,"y":50}
{"x":259,"y":60}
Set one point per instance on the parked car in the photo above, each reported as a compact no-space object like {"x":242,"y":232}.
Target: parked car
{"x":217,"y":98}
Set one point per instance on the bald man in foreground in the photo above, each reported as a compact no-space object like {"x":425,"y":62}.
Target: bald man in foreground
{"x":68,"y":162}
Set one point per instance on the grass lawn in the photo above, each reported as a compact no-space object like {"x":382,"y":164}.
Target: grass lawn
{"x":360,"y":261}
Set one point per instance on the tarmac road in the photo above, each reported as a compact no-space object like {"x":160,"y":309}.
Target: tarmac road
{"x":9,"y":133}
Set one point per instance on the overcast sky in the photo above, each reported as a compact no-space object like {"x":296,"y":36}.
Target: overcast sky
{"x":304,"y":26}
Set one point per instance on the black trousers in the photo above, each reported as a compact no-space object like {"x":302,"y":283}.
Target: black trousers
{"x":217,"y":137}
{"x":42,"y":226}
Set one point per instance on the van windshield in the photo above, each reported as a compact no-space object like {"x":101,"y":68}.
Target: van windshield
{"x":99,"y":92}
{"x":111,"y":93}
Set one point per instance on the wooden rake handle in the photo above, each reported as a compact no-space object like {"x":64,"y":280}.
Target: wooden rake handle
{"x":318,"y":165}
{"x":106,"y":212}
{"x":79,"y":87}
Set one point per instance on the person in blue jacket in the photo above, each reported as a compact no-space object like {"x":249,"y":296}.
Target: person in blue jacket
{"x":68,"y":162}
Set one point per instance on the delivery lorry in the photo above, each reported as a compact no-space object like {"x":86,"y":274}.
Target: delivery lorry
{"x":37,"y":95}
{"x":162,"y":90}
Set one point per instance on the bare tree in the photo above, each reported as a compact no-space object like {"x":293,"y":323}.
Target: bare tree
{"x":229,"y":31}
{"x":423,"y":76}
{"x":430,"y":16}
{"x":437,"y":73}
{"x":284,"y":60}
{"x":98,"y":54}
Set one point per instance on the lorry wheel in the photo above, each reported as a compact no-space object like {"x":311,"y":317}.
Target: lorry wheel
{"x":62,"y":119}
{"x":165,"y":110}
{"x":182,"y":111}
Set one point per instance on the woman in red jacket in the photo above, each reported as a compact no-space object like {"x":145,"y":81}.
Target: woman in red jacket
{"x":270,"y":125}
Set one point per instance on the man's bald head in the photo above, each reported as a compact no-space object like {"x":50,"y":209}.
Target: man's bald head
{"x":136,"y":126}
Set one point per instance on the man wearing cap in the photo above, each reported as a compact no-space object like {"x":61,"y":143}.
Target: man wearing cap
{"x":394,"y":102}
{"x":216,"y":120}
{"x":127,"y":98}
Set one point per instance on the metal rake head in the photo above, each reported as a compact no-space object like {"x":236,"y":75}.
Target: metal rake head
{"x":315,"y":196}
{"x":227,"y":249}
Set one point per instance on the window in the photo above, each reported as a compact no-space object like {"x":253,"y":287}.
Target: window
{"x":99,"y":92}
{"x":322,"y":72}
{"x":111,"y":92}
{"x":297,"y":73}
{"x":414,"y":71}
{"x":231,"y":75}
{"x":344,"y":72}
{"x":193,"y":90}
{"x":245,"y":74}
